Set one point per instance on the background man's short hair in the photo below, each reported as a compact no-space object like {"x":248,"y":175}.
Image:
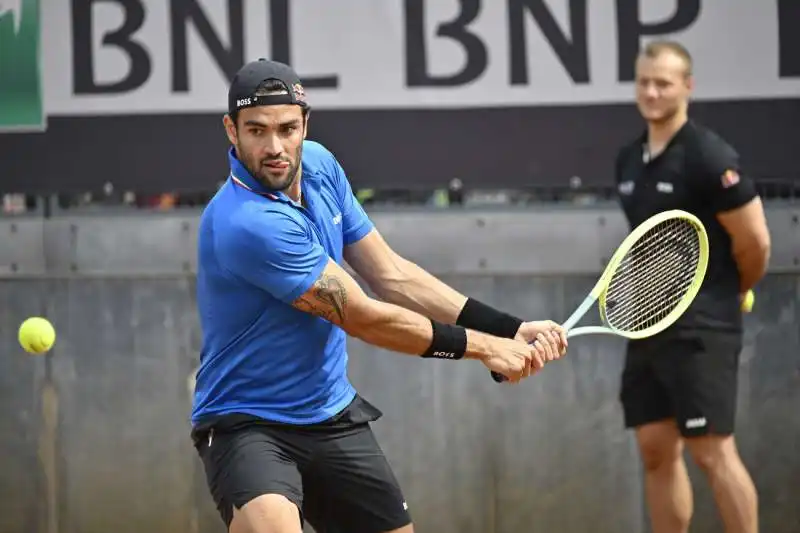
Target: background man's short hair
{"x":654,"y":49}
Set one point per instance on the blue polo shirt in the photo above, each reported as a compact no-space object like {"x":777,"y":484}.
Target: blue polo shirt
{"x":257,"y":252}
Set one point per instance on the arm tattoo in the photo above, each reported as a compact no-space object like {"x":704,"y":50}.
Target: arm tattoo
{"x":328,"y":299}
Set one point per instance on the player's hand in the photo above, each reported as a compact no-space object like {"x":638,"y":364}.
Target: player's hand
{"x":548,"y":335}
{"x":514,"y":359}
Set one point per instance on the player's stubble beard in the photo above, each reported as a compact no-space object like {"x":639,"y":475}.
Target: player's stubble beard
{"x":256,"y":167}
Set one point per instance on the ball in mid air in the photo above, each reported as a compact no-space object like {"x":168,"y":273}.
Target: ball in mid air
{"x":747,"y":301}
{"x":37,"y":335}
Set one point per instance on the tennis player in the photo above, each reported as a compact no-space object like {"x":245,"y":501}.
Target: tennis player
{"x":679,"y":388}
{"x":282,"y":433}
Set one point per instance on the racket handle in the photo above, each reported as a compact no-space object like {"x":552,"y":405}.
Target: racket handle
{"x":499,"y":378}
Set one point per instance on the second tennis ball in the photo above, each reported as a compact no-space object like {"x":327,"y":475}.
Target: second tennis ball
{"x":37,"y":335}
{"x":747,"y":302}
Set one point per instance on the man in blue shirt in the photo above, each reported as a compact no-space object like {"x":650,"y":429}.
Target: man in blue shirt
{"x":282,"y":433}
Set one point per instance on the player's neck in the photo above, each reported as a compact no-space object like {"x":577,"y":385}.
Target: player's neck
{"x":294,"y":191}
{"x":660,"y":133}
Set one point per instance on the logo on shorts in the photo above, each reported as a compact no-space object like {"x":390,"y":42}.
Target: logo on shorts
{"x":21,"y":100}
{"x":694,"y":423}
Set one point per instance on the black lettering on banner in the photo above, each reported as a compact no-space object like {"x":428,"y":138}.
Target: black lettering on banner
{"x":574,"y":54}
{"x":281,"y":48}
{"x":83,"y":76}
{"x":229,"y":59}
{"x":632,"y":29}
{"x":789,"y":38}
{"x":417,"y":74}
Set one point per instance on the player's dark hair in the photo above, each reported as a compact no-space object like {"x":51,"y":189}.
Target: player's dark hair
{"x":654,"y":49}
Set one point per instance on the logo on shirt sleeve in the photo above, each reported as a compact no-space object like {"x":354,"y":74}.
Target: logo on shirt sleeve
{"x":729,"y":178}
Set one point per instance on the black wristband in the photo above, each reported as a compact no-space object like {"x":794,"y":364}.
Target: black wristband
{"x":449,"y":342}
{"x":481,"y":317}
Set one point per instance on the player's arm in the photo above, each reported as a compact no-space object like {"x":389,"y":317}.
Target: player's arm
{"x":337,"y":297}
{"x":275,"y":253}
{"x":739,"y":209}
{"x":396,"y":280}
{"x":400,"y":281}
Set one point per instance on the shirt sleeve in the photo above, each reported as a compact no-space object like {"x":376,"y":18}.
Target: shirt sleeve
{"x":356,"y":224}
{"x":724,"y":184}
{"x":274,"y":252}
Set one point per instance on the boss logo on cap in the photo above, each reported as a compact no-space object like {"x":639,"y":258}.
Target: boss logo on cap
{"x":243,"y":102}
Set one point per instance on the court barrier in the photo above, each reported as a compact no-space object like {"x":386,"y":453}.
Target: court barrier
{"x":96,"y":433}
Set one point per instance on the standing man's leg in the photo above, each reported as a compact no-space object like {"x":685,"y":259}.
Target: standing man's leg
{"x":647,"y":408}
{"x":666,"y":480}
{"x":733,"y":488}
{"x":706,"y":389}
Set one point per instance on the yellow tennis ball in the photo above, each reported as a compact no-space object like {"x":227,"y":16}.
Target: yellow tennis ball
{"x":37,"y":335}
{"x":747,"y":302}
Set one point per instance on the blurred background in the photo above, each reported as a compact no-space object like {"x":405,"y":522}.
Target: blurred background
{"x":480,"y":136}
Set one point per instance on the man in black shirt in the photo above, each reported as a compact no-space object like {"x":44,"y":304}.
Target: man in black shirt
{"x":680,"y":386}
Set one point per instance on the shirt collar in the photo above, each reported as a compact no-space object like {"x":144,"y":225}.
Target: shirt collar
{"x":242,"y":177}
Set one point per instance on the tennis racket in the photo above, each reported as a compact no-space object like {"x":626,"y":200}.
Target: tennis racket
{"x":650,"y":281}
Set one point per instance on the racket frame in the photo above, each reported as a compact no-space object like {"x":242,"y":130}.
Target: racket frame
{"x":600,"y":290}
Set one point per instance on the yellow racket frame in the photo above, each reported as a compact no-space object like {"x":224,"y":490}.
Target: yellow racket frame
{"x":600,"y":290}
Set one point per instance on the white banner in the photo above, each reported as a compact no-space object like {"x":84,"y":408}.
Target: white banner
{"x":367,"y":47}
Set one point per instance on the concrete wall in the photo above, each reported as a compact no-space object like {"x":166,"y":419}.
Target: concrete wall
{"x":95,"y":434}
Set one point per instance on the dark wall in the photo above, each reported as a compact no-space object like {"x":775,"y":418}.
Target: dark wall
{"x":499,"y":147}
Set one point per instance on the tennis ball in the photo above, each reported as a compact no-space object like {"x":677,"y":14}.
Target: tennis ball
{"x":747,"y":302}
{"x":37,"y":335}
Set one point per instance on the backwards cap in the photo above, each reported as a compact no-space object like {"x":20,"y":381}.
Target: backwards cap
{"x":243,"y":90}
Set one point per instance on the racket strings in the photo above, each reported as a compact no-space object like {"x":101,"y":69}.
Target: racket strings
{"x":654,"y":276}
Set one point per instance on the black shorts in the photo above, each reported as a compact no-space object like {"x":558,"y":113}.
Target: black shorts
{"x":690,"y":375}
{"x":335,"y":472}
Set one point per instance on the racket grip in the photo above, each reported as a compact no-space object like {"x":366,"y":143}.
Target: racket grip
{"x":499,"y":378}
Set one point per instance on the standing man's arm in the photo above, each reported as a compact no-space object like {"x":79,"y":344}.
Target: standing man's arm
{"x":274,"y":253}
{"x":738,"y":208}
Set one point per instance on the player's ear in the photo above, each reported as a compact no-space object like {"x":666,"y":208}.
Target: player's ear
{"x":230,"y":128}
{"x":305,"y":123}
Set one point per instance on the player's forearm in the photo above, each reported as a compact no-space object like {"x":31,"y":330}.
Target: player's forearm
{"x":394,"y":328}
{"x":752,"y":264}
{"x":411,"y":287}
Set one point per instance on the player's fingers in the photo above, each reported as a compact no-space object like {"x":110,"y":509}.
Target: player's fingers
{"x":555,"y":345}
{"x":562,"y":333}
{"x":539,"y":351}
{"x":562,"y":337}
{"x":526,"y":368}
{"x":547,"y":345}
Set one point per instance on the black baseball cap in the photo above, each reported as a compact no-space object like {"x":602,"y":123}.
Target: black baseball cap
{"x":243,"y":89}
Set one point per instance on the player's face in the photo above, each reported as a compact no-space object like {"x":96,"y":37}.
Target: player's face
{"x":662,"y":86}
{"x":269,"y":142}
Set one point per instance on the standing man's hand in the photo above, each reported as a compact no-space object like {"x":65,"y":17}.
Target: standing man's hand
{"x":547,"y":333}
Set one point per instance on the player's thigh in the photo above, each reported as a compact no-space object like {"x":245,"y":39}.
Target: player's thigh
{"x":245,"y":465}
{"x":351,"y":488}
{"x":643,"y":395}
{"x":704,"y":382}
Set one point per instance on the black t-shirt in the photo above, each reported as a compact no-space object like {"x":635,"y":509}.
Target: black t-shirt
{"x":697,"y":172}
